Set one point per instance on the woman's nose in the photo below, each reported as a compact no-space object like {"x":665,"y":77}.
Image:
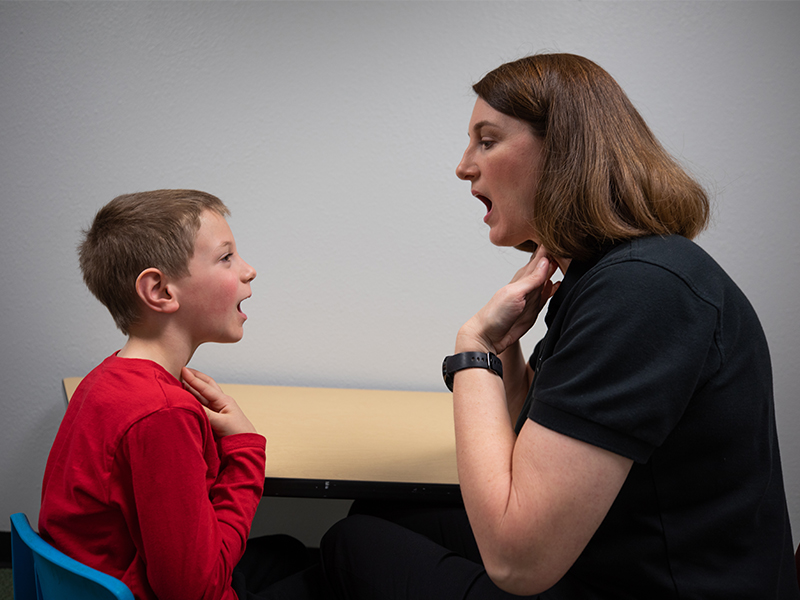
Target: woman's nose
{"x":466,"y":169}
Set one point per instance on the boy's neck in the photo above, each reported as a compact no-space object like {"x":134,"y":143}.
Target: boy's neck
{"x":164,"y":352}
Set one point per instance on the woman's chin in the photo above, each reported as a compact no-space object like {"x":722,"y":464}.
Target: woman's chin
{"x":527,"y":246}
{"x":498,"y":238}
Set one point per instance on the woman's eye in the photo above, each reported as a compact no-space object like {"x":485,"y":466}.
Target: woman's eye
{"x":486,"y":144}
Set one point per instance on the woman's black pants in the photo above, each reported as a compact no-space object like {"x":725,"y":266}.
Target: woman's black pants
{"x":408,"y":552}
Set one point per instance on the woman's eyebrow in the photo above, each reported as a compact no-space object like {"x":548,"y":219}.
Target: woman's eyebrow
{"x":481,"y":124}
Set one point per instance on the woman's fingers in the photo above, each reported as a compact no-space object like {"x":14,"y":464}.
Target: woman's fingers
{"x":515,"y":308}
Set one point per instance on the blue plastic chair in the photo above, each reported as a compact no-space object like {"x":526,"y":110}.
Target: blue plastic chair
{"x":40,"y":572}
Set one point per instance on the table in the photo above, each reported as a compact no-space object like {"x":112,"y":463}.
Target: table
{"x":351,"y":443}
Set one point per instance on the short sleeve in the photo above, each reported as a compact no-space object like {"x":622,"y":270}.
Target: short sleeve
{"x":632,"y":347}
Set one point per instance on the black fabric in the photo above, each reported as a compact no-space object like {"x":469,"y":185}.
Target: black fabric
{"x":370,"y":558}
{"x":652,"y":352}
{"x":278,"y":567}
{"x":655,"y":354}
{"x":444,"y":523}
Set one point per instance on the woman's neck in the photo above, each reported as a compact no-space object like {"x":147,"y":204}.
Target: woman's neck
{"x":563,"y":264}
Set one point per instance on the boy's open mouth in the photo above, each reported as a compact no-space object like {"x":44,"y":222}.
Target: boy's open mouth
{"x":239,"y":306}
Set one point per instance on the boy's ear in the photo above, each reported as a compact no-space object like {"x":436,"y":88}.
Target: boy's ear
{"x":153,"y":289}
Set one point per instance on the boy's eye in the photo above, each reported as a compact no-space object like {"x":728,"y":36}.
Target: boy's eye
{"x":227,"y":257}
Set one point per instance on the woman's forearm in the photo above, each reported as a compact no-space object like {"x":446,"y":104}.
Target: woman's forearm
{"x":485,"y":443}
{"x":533,"y":500}
{"x":484,"y":447}
{"x":517,"y":379}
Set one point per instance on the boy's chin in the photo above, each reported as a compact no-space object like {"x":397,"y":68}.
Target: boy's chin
{"x":230,"y":337}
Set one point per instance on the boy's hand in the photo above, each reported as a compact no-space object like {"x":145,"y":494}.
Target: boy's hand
{"x":224,"y":414}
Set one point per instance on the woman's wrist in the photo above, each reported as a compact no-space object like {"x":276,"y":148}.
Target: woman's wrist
{"x":468,"y":342}
{"x":513,"y":350}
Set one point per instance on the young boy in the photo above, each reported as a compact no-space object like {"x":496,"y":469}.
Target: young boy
{"x":146,"y":481}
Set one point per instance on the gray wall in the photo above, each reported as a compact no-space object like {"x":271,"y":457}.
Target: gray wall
{"x":332,"y":130}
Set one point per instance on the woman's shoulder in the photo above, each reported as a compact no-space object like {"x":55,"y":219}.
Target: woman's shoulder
{"x":657,"y":256}
{"x":661,"y":267}
{"x":671,"y":250}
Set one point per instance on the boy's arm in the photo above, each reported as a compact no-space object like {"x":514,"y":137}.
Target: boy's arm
{"x":191,"y":520}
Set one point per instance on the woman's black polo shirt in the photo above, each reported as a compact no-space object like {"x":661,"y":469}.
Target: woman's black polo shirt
{"x":654,"y":353}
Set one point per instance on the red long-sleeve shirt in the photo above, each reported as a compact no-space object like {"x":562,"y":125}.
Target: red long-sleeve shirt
{"x":137,"y":486}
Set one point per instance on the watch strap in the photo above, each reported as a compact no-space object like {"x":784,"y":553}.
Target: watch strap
{"x":469,"y":360}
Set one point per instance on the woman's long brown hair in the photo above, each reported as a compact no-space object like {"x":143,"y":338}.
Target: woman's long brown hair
{"x":605,"y":178}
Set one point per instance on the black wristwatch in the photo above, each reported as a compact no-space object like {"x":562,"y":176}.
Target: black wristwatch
{"x":469,"y":360}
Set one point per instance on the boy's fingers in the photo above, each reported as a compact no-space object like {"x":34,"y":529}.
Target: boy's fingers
{"x":195,"y":375}
{"x":198,"y":396}
{"x":191,"y":382}
{"x":204,"y":380}
{"x":190,"y":378}
{"x":205,"y":390}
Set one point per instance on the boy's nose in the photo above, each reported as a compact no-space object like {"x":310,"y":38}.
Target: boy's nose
{"x":249,"y":273}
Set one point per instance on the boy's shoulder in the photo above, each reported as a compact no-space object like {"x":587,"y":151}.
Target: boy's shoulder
{"x":129,"y":389}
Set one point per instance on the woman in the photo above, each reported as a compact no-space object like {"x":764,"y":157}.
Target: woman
{"x":634,"y":455}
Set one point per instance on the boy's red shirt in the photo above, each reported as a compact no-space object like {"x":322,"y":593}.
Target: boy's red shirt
{"x":137,"y":486}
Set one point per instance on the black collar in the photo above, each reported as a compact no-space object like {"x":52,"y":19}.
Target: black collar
{"x":575,"y":271}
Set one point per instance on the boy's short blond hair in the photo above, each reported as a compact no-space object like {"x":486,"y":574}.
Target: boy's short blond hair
{"x":139,"y":231}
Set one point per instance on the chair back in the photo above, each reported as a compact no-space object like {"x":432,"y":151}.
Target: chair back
{"x":40,"y":572}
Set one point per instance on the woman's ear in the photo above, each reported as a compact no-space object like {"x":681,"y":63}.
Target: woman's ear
{"x":153,"y":289}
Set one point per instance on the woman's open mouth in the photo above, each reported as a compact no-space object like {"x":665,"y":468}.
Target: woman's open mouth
{"x":488,"y":204}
